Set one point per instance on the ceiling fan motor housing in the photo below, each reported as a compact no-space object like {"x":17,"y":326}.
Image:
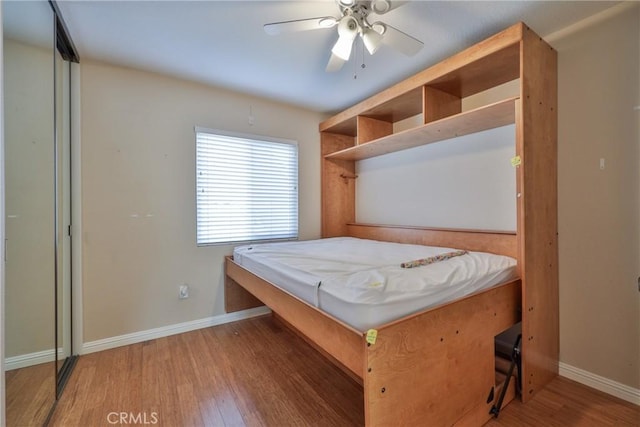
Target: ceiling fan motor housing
{"x":356,"y":14}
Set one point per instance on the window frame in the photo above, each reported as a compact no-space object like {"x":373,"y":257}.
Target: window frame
{"x":258,"y":138}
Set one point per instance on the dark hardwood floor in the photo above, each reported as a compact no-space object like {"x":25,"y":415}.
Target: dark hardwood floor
{"x":258,"y":373}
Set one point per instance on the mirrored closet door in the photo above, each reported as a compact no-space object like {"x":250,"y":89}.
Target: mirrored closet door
{"x":63,"y":211}
{"x":37,"y":311}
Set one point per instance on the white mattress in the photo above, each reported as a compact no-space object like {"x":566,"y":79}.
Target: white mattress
{"x":361,"y":282}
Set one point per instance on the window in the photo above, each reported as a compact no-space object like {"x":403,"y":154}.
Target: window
{"x":247,"y":188}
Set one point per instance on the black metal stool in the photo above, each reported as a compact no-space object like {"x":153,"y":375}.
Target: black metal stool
{"x":508,"y":347}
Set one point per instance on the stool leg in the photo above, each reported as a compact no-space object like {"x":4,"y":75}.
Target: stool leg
{"x":515,"y":356}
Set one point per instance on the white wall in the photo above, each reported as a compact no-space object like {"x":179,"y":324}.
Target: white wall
{"x":138,"y":194}
{"x":467,"y":182}
{"x":598,"y":210}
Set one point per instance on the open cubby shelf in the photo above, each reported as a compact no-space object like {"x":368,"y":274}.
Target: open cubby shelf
{"x":483,"y":118}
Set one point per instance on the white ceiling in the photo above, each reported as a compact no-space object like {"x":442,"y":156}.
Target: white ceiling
{"x":222,"y":43}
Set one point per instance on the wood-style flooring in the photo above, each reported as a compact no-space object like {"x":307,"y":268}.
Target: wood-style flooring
{"x":258,"y":373}
{"x":565,"y":403}
{"x":30,"y":394}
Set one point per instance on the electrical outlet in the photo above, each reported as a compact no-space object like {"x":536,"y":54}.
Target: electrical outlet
{"x":184,"y":291}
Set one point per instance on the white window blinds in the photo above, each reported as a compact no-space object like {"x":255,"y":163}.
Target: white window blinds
{"x":247,"y":188}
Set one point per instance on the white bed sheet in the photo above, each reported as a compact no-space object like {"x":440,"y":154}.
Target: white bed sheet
{"x":361,"y":282}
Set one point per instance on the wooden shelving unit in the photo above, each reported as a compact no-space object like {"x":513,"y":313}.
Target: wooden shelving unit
{"x":483,"y":118}
{"x":367,"y":130}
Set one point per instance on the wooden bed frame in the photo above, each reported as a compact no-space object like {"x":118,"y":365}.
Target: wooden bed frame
{"x":436,"y":367}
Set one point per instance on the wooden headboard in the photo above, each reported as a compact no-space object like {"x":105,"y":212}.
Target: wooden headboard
{"x":496,"y":242}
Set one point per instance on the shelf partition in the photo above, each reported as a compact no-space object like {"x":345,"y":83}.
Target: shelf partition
{"x":491,"y":116}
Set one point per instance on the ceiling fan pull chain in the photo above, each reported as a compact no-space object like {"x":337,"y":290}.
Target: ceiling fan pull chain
{"x":355,"y":65}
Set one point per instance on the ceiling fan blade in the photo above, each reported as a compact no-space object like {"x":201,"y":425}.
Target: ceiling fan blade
{"x":335,"y":63}
{"x":398,"y":40}
{"x":300,"y":25}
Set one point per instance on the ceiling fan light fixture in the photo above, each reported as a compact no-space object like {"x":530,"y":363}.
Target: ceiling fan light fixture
{"x":335,"y":64}
{"x":342,"y":48}
{"x":347,"y":30}
{"x":372,"y":40}
{"x":380,"y":6}
{"x":327,"y":22}
{"x":379,"y":28}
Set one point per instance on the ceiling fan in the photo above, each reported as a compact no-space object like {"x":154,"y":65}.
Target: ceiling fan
{"x":354,"y":21}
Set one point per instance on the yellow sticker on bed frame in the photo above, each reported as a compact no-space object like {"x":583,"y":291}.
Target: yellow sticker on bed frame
{"x":516,"y":161}
{"x":372,"y":335}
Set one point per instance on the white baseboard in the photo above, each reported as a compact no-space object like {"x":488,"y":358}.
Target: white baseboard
{"x":603,"y":384}
{"x":165,"y":331}
{"x":30,"y":359}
